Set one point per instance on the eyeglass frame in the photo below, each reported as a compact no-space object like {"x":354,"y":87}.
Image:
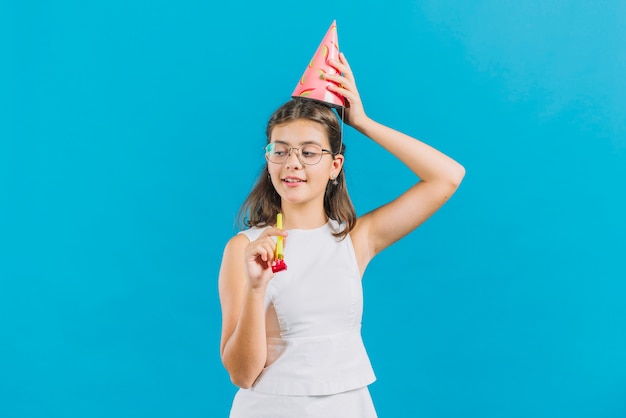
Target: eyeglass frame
{"x":289,"y":149}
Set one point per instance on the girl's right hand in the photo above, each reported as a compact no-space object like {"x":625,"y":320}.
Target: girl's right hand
{"x":259,"y":255}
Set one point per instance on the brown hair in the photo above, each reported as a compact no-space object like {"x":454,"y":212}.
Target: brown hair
{"x":263,"y":203}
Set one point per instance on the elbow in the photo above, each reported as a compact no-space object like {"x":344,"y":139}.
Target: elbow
{"x":243,"y":381}
{"x":458,"y":175}
{"x":455,"y":177}
{"x":243,"y":370}
{"x":241,"y":374}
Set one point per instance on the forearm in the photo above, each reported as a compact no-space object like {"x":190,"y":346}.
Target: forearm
{"x":245,"y":353}
{"x":426,"y":162}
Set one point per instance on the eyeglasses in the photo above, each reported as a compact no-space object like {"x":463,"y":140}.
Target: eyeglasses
{"x":308,"y":154}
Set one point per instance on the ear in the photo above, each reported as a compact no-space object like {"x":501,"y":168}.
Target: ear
{"x":337,"y":165}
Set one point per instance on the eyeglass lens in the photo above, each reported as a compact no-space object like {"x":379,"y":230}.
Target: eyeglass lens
{"x":308,"y":154}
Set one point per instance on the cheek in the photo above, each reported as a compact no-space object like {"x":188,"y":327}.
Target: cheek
{"x":274,"y":173}
{"x":321,"y":173}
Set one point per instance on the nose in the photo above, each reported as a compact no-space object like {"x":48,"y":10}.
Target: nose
{"x":293,"y":159}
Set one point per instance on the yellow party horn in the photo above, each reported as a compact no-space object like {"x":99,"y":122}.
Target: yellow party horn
{"x":279,"y":259}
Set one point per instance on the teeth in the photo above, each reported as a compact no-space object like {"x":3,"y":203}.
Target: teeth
{"x":293,"y":181}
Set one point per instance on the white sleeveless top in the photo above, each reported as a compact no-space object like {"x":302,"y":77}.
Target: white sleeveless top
{"x":313,"y":317}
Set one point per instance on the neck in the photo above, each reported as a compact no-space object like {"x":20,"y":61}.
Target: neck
{"x":298,"y":217}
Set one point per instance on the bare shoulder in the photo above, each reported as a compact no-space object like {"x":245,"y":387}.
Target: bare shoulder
{"x":238,"y":241}
{"x":233,"y":253}
{"x":231,"y":276}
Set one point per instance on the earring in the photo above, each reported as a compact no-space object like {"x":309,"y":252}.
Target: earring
{"x":334,"y":179}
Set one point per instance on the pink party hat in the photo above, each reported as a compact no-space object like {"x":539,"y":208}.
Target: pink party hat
{"x":312,"y":85}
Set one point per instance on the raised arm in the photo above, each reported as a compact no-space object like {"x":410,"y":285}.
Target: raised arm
{"x":244,"y":275}
{"x":439,"y":176}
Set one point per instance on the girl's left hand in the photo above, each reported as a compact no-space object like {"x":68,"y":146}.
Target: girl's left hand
{"x":346,"y":86}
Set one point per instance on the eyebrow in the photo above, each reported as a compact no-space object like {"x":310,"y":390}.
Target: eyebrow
{"x":300,"y":144}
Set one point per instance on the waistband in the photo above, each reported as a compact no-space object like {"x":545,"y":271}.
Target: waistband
{"x":316,"y":365}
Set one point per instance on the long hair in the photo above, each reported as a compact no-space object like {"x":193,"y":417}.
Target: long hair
{"x":263,"y":203}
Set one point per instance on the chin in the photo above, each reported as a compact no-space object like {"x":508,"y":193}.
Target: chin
{"x":299,"y":199}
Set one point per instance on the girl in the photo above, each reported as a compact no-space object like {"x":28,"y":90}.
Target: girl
{"x":291,"y":340}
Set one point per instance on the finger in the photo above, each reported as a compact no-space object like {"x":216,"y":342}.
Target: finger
{"x":343,"y":59}
{"x":341,"y":82}
{"x":337,"y":78}
{"x":343,"y":66}
{"x":262,"y":253}
{"x":337,"y":65}
{"x":270,"y":246}
{"x":264,"y":247}
{"x":273,"y":232}
{"x":352,"y":97}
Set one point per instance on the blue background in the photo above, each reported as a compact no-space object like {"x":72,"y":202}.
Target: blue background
{"x":130,"y":133}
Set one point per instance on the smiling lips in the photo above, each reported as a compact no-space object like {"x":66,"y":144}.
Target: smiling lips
{"x":293,"y":181}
